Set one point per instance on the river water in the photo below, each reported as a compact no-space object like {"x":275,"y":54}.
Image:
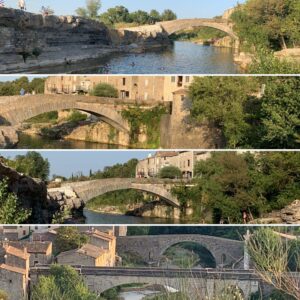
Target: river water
{"x":38,"y":142}
{"x":100,"y":218}
{"x":181,"y":58}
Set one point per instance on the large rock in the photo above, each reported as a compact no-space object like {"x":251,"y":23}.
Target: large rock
{"x":8,"y":137}
{"x":291,"y":214}
{"x":32,"y":193}
{"x":292,"y":55}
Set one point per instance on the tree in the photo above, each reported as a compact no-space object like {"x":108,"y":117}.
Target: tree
{"x":140,"y":17}
{"x":280,"y":113}
{"x":91,"y":11}
{"x":105,"y":90}
{"x":155,"y":16}
{"x":10,"y":209}
{"x":69,"y":238}
{"x":32,"y":164}
{"x":63,"y":283}
{"x":221,"y":102}
{"x":118,"y":14}
{"x":170,"y":172}
{"x":168,"y":15}
{"x":270,"y":255}
{"x":37,"y":85}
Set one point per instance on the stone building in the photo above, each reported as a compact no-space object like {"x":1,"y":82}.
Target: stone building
{"x":87,"y":255}
{"x":184,"y":160}
{"x":139,"y":88}
{"x":40,"y":251}
{"x":14,"y":271}
{"x":14,"y":233}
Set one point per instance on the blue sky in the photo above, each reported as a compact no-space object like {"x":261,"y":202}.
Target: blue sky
{"x":184,"y":9}
{"x":67,"y":162}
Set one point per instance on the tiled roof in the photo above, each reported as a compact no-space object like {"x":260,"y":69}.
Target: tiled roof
{"x":166,"y":153}
{"x":91,"y":250}
{"x":101,"y":235}
{"x":17,"y":252}
{"x":33,"y":247}
{"x":13,"y":269}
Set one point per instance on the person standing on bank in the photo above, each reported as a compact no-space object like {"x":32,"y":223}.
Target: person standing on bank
{"x":22,"y":4}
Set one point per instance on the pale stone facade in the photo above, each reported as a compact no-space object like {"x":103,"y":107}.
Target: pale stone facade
{"x":139,"y":88}
{"x":184,"y":160}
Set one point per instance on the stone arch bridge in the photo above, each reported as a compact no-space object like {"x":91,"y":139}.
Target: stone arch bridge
{"x":87,"y":190}
{"x":170,"y":27}
{"x":15,"y":110}
{"x":196,"y":284}
{"x":226,"y":252}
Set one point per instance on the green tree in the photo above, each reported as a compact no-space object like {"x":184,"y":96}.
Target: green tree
{"x":10,"y":210}
{"x":105,"y":90}
{"x":168,"y":15}
{"x":91,"y":10}
{"x":69,"y":238}
{"x":140,"y":17}
{"x":221,"y":101}
{"x":32,"y":164}
{"x":170,"y":172}
{"x":118,"y":14}
{"x":37,"y":85}
{"x":280,"y":110}
{"x":63,"y":283}
{"x":154,"y":16}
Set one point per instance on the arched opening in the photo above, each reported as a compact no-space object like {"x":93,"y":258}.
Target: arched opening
{"x":138,"y":290}
{"x":133,"y":203}
{"x":203,"y":35}
{"x":187,"y":254}
{"x":73,"y":126}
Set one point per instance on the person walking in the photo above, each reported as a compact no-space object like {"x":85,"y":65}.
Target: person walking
{"x":22,"y":4}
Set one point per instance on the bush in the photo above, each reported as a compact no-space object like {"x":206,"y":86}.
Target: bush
{"x":105,"y":90}
{"x":170,"y":172}
{"x":77,"y":116}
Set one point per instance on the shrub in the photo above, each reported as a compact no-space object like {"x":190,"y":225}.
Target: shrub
{"x":105,"y":90}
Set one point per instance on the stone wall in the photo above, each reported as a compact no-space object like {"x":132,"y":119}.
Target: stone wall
{"x":31,"y":41}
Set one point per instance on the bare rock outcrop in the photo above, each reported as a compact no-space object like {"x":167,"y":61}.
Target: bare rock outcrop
{"x":8,"y":137}
{"x":32,"y":193}
{"x":29,"y":42}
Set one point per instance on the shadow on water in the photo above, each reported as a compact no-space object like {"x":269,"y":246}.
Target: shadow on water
{"x":100,"y":218}
{"x":37,"y":142}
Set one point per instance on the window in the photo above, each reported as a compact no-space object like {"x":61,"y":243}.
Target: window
{"x":187,"y":79}
{"x":189,"y":163}
{"x":127,"y":94}
{"x":124,"y":81}
{"x":173,"y":79}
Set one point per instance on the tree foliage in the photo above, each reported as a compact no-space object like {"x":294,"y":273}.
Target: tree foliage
{"x":229,"y":184}
{"x":273,"y":24}
{"x":91,"y":10}
{"x":63,"y":283}
{"x":69,"y":238}
{"x":11,"y":88}
{"x":105,"y":90}
{"x":170,"y":172}
{"x":32,"y":164}
{"x":10,"y":209}
{"x":250,"y":112}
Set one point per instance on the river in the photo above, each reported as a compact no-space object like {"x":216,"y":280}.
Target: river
{"x":181,"y":58}
{"x":100,"y":218}
{"x":27,"y":141}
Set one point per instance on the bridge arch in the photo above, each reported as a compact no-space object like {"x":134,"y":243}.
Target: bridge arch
{"x":90,"y":189}
{"x":202,"y":252}
{"x":20,"y":109}
{"x":170,"y":27}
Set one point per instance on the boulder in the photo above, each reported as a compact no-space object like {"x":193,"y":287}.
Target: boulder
{"x":8,"y":137}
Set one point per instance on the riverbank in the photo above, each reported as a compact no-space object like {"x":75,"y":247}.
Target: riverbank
{"x":31,"y":42}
